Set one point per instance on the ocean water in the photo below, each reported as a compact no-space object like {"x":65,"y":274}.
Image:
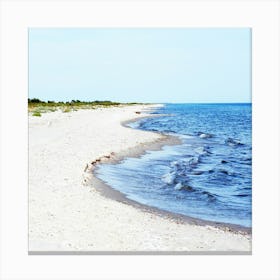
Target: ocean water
{"x":208,"y":176}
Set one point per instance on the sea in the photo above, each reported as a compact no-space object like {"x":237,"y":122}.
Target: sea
{"x":208,"y":176}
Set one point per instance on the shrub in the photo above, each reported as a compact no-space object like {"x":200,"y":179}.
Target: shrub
{"x":66,"y":110}
{"x":36,"y":114}
{"x":35,"y":100}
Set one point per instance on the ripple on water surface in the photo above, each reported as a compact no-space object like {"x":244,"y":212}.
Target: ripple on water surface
{"x":208,"y":176}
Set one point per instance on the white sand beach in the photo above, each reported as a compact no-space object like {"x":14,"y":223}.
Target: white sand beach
{"x":66,"y":212}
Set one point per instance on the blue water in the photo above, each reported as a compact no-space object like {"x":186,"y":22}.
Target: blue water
{"x":208,"y":176}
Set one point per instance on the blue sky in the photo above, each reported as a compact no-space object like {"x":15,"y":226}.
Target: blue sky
{"x":178,"y":65}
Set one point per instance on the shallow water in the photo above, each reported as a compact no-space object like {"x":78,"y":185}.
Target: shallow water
{"x":208,"y":176}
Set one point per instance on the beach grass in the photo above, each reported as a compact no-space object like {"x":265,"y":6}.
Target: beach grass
{"x":37,"y":107}
{"x":36,"y":114}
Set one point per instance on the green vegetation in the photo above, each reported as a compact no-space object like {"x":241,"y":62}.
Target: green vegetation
{"x":37,"y":106}
{"x":66,"y":110}
{"x":36,"y":114}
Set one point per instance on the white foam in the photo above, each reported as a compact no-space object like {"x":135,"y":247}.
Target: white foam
{"x":178,"y":186}
{"x":205,"y":135}
{"x":174,"y":163}
{"x":200,"y":150}
{"x":194,"y":160}
{"x":169,"y":178}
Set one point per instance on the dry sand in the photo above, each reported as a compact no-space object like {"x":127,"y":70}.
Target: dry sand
{"x":67,"y":213}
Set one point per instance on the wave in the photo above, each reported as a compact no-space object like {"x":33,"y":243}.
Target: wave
{"x":233,"y":142}
{"x":169,"y":178}
{"x":180,"y":186}
{"x":208,"y":175}
{"x":242,"y":195}
{"x":202,"y":150}
{"x":204,"y":135}
{"x":194,"y":160}
{"x":211,"y":197}
{"x":246,"y":188}
{"x":224,"y":171}
{"x":197,"y":172}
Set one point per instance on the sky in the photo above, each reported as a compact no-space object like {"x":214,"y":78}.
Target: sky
{"x":167,"y":65}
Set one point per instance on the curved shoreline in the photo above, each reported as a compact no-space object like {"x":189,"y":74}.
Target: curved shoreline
{"x":139,"y":150}
{"x":67,"y":215}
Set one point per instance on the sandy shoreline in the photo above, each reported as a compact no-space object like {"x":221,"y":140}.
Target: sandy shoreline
{"x":111,"y":193}
{"x":67,"y":214}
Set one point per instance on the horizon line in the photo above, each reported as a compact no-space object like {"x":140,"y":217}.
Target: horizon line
{"x":206,"y":102}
